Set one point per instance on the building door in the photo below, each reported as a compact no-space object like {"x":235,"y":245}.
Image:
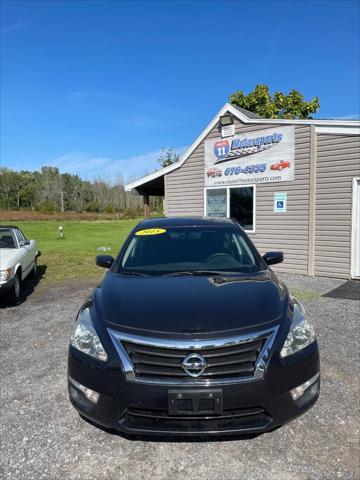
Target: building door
{"x":356,"y":229}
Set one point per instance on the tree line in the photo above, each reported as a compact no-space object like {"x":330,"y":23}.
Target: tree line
{"x":49,"y":191}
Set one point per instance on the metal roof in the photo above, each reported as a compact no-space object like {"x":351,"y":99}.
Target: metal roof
{"x":247,"y":112}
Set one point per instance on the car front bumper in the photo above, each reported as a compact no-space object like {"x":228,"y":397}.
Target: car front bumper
{"x":5,"y":286}
{"x":248,"y":407}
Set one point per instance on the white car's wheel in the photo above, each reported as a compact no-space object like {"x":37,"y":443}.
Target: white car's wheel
{"x":15,"y":292}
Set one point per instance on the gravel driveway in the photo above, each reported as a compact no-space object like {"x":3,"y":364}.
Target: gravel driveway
{"x":42,"y":437}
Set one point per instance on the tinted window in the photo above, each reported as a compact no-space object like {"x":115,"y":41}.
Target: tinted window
{"x":242,"y":206}
{"x":6,"y":238}
{"x":220,"y":249}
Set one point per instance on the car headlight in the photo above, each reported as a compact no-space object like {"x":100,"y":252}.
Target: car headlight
{"x":301,"y":332}
{"x":85,"y":338}
{"x":4,"y":275}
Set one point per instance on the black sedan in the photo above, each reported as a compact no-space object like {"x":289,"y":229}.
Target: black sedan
{"x":191,"y":333}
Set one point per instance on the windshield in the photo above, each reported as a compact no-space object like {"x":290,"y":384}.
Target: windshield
{"x":6,"y":238}
{"x":189,"y":250}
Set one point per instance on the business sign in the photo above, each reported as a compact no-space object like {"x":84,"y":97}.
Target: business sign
{"x":280,"y":202}
{"x":263,"y":156}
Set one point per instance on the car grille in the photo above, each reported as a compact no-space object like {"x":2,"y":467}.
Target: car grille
{"x":159,"y":420}
{"x":224,"y":362}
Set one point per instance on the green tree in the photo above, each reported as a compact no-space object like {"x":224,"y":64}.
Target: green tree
{"x":7,"y":195}
{"x":279,"y":105}
{"x":48,"y":190}
{"x":168,"y":157}
{"x":29,"y":190}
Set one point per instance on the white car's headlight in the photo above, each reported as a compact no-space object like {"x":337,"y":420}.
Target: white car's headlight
{"x":85,"y":338}
{"x":4,"y":275}
{"x":301,"y":332}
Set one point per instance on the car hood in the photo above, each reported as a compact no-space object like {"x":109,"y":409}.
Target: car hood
{"x":8,"y":257}
{"x":190,"y":304}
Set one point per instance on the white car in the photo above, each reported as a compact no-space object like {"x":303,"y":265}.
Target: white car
{"x":18,"y":259}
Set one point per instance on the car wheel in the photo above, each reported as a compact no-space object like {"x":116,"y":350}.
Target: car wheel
{"x":15,"y":292}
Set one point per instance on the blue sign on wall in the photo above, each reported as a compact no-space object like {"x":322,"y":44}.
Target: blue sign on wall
{"x":280,"y":202}
{"x":221,"y":149}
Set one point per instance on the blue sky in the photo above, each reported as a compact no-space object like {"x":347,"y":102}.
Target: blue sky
{"x":99,"y":87}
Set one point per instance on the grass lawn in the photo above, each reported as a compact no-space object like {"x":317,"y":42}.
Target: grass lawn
{"x":73,"y":257}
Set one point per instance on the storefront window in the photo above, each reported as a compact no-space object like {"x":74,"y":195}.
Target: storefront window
{"x":237,"y":202}
{"x":242,"y":206}
{"x":216,"y":202}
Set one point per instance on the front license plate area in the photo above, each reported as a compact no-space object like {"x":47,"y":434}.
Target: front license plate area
{"x":195,"y":402}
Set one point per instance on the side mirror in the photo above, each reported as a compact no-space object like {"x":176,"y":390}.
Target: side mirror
{"x":23,"y":243}
{"x":271,"y":258}
{"x":104,"y":261}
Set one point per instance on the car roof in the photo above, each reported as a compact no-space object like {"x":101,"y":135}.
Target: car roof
{"x":185,"y":221}
{"x":8,"y":226}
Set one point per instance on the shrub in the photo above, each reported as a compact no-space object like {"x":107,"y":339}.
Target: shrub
{"x":92,"y":207}
{"x":109,"y":209}
{"x":47,"y":207}
{"x":130,"y":213}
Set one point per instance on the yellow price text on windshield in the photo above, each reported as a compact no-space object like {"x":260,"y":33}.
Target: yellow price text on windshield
{"x":151,"y":231}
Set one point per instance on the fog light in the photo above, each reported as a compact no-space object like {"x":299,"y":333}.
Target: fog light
{"x":91,"y":395}
{"x":312,"y":385}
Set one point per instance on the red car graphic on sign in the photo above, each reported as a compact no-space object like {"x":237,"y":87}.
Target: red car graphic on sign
{"x":279,"y":166}
{"x":214,"y":172}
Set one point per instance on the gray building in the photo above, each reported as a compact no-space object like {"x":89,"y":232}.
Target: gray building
{"x":294,"y":185}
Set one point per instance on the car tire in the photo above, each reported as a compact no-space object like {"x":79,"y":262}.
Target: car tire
{"x":15,"y":292}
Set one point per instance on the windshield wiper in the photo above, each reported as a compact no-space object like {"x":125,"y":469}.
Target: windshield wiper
{"x":127,"y":272}
{"x":193,"y":272}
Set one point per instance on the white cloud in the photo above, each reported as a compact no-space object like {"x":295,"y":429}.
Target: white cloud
{"x":78,"y":162}
{"x":91,"y":166}
{"x":77,"y":94}
{"x":132,"y":166}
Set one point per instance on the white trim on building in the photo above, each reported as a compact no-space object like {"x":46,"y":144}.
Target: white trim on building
{"x":355,"y":229}
{"x":338,"y":130}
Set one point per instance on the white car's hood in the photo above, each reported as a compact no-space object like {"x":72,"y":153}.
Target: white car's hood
{"x":9,"y":257}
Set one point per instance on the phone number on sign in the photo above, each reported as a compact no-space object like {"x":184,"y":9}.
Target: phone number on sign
{"x":248,"y":169}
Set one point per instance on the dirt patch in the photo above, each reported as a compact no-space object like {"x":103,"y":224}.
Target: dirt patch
{"x":23,"y":215}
